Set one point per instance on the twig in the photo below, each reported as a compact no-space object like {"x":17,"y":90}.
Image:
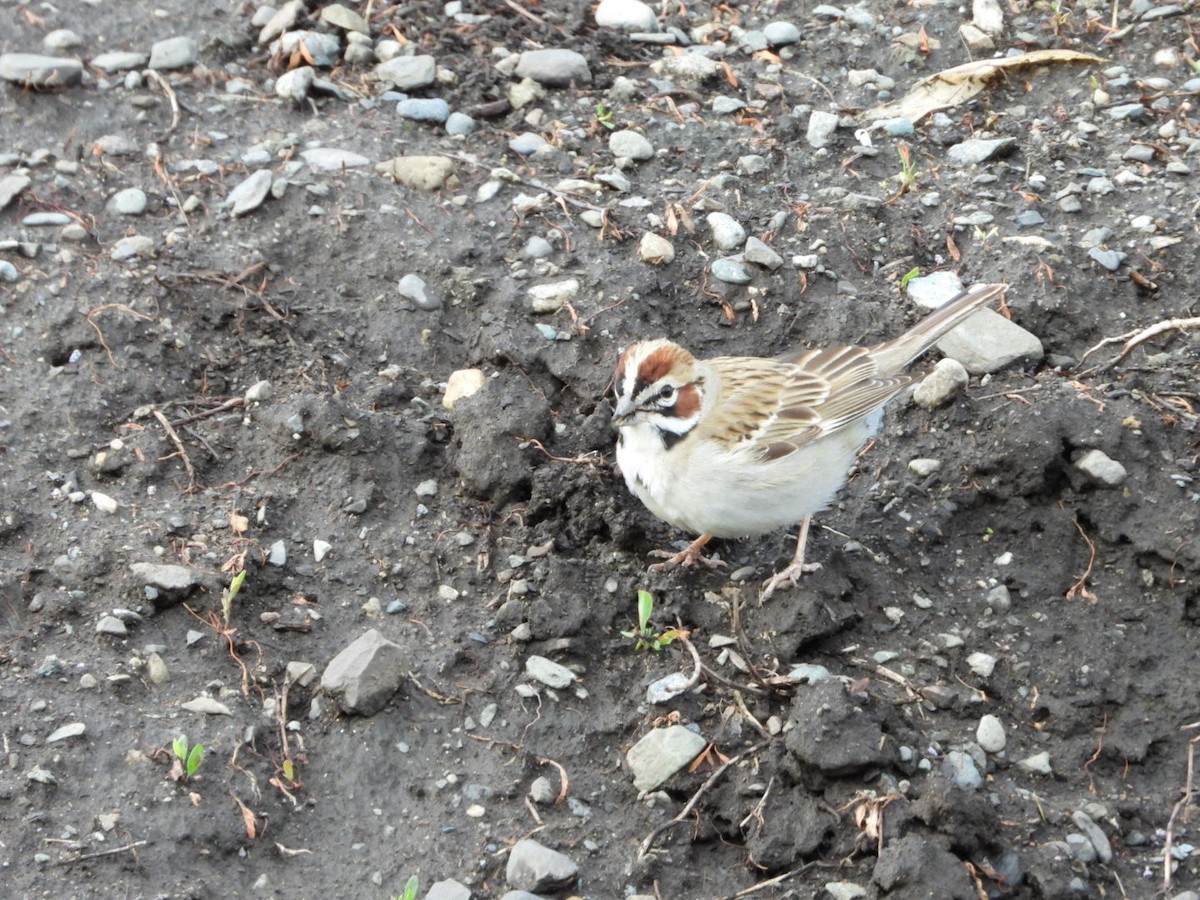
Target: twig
{"x":1080,"y":586}
{"x":648,"y":842}
{"x":1133,"y":338}
{"x":100,"y":334}
{"x":699,"y":666}
{"x":166,"y":89}
{"x":771,"y":882}
{"x":113,"y":851}
{"x":563,"y":781}
{"x":1180,"y":805}
{"x":536,"y":185}
{"x":174,"y":436}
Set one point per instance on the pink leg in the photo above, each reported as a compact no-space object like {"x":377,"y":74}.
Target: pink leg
{"x":797,"y":568}
{"x":689,"y":557}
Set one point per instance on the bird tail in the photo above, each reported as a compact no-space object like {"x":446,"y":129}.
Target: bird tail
{"x":894,"y":355}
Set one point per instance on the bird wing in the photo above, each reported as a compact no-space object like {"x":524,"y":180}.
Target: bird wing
{"x":773,"y":407}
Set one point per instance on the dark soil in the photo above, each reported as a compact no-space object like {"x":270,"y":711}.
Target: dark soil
{"x":531,"y":544}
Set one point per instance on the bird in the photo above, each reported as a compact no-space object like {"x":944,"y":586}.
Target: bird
{"x":737,"y":446}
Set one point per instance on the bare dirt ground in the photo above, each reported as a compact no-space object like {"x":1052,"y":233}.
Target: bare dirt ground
{"x":127,"y":380}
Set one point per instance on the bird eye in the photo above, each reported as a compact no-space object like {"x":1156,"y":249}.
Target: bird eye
{"x":667,"y":395}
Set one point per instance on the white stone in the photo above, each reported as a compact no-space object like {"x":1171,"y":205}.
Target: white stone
{"x":947,"y":379}
{"x":627,"y":15}
{"x":1101,"y":468}
{"x":990,"y":735}
{"x":655,"y":249}
{"x":462,"y":383}
{"x":821,"y":126}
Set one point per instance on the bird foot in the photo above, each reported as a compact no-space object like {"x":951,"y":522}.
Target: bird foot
{"x":790,"y":575}
{"x":685,"y":558}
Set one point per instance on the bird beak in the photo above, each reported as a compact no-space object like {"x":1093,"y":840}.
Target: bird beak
{"x":625,"y":409}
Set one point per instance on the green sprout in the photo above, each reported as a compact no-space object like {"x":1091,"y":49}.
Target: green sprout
{"x":188,"y":760}
{"x":410,"y":889}
{"x":644,"y":636}
{"x":227,"y":595}
{"x":604,"y":116}
{"x":908,"y":168}
{"x":908,"y":276}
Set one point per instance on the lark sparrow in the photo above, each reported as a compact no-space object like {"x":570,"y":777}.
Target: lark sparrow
{"x":738,"y":446}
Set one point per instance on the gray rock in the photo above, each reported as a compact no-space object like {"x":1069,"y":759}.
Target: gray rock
{"x":688,"y":71}
{"x":174,"y":53}
{"x":728,"y":234}
{"x":989,"y":734}
{"x":780,"y":34}
{"x":296,"y":84}
{"x":8,"y":272}
{"x":549,"y":672}
{"x":62,"y":39}
{"x":45,"y":220}
{"x":960,"y":768}
{"x":726,"y":105}
{"x":459,"y":124}
{"x":1029,"y":218}
{"x":527,"y":143}
{"x":111,"y":625}
{"x":165,"y":576}
{"x":364,"y":675}
{"x":408,"y":73}
{"x":655,"y":249}
{"x":731,"y":271}
{"x":36,"y":71}
{"x":74,"y":729}
{"x":156,"y":669}
{"x":1109,"y":259}
{"x":283,"y":19}
{"x":277,"y":555}
{"x":1038,"y":764}
{"x":420,"y":109}
{"x":535,"y":867}
{"x":206,"y":705}
{"x":630,"y":144}
{"x":1099,"y":840}
{"x":345,"y":18}
{"x":553,"y":67}
{"x":331,"y":159}
{"x":426,"y":173}
{"x":129,"y":202}
{"x":250,"y":193}
{"x":976,"y":150}
{"x":324,"y":49}
{"x":898,"y":127}
{"x":413,"y":287}
{"x":119,"y":61}
{"x":987,"y":342}
{"x":662,"y":752}
{"x":821,"y":126}
{"x":626,"y":15}
{"x":11,"y":186}
{"x":1102,"y":469}
{"x":761,"y":255}
{"x":132,"y":247}
{"x":448,"y":889}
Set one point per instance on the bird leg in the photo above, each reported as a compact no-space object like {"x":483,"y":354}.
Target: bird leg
{"x":797,"y":568}
{"x":689,"y":557}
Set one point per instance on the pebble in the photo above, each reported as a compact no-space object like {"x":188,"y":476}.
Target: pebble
{"x":104,"y":502}
{"x":1101,"y":468}
{"x":982,"y":664}
{"x":781,"y":34}
{"x":448,"y":889}
{"x":62,"y":39}
{"x":1097,"y":838}
{"x":426,"y":173}
{"x":8,"y":272}
{"x":898,"y":127}
{"x":630,"y":145}
{"x":174,"y":53}
{"x":549,"y":672}
{"x":129,"y":202}
{"x":296,"y":84}
{"x":119,"y":61}
{"x":345,"y":18}
{"x":412,"y":287}
{"x":156,"y":669}
{"x":1037,"y":764}
{"x":541,"y":791}
{"x":821,"y":126}
{"x":34,"y":70}
{"x":324,"y":49}
{"x":408,"y":73}
{"x":550,"y":298}
{"x":11,"y":186}
{"x":726,"y":105}
{"x":321,"y":549}
{"x":133,"y":247}
{"x":960,"y":768}
{"x":655,"y":249}
{"x":206,"y":705}
{"x":111,"y":625}
{"x":1108,"y":259}
{"x":760,"y":254}
{"x":275,"y":22}
{"x":462,"y":383}
{"x":74,"y":729}
{"x":662,"y":752}
{"x":459,"y":124}
{"x":728,"y":234}
{"x":947,"y":380}
{"x":250,"y":193}
{"x":626,"y":15}
{"x":808,"y":673}
{"x":976,"y":150}
{"x":527,"y":143}
{"x":731,"y":271}
{"x":553,"y":67}
{"x":424,"y":110}
{"x":987,"y":16}
{"x":989,"y":734}
{"x":536,"y":868}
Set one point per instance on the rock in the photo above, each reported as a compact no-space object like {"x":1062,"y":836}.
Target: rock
{"x":424,"y":173}
{"x":728,"y":234}
{"x":781,"y":34}
{"x":1097,"y":838}
{"x":33,"y":70}
{"x":1109,"y":259}
{"x":322,"y":49}
{"x":662,"y":752}
{"x":987,"y":342}
{"x":62,"y":39}
{"x":412,"y":287}
{"x":630,"y":144}
{"x":553,"y":67}
{"x":207,"y":705}
{"x":1038,"y":764}
{"x":332,"y":159}
{"x":550,"y":298}
{"x":420,"y":109}
{"x":976,"y":150}
{"x":11,"y":186}
{"x":118,"y":61}
{"x":537,"y":868}
{"x":688,"y":71}
{"x":408,"y":73}
{"x":821,"y":126}
{"x":156,"y":669}
{"x":448,"y":889}
{"x":655,"y":249}
{"x":989,"y":734}
{"x":731,"y":271}
{"x":549,"y":672}
{"x":960,"y":768}
{"x":283,"y":19}
{"x":111,"y":625}
{"x":987,"y":16}
{"x":462,"y":383}
{"x":296,"y":84}
{"x":626,"y":15}
{"x":129,"y":202}
{"x":364,"y":675}
{"x":347,"y":19}
{"x":74,"y":729}
{"x":459,"y":124}
{"x":104,"y":503}
{"x":134,"y":247}
{"x":1101,"y":468}
{"x":250,"y":193}
{"x":277,"y":554}
{"x":174,"y":53}
{"x":761,"y":255}
{"x":167,"y":578}
{"x":924,"y":467}
{"x":982,"y":664}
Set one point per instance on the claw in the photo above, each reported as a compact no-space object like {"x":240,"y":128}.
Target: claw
{"x":686,"y":558}
{"x":795,"y":570}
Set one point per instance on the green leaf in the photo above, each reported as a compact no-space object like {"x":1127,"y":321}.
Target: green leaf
{"x":236,"y":584}
{"x":195,"y":758}
{"x":645,"y":608}
{"x":180,"y":745}
{"x":909,"y":276}
{"x":411,"y":887}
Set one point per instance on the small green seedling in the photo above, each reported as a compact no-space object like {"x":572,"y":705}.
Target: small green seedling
{"x":187,"y":762}
{"x":410,"y":889}
{"x":604,"y":116}
{"x":908,"y":167}
{"x":645,"y":637}
{"x":227,"y":595}
{"x":908,"y":276}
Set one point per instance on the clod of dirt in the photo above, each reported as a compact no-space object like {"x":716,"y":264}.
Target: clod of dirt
{"x":490,"y":427}
{"x":833,"y":734}
{"x":915,"y":867}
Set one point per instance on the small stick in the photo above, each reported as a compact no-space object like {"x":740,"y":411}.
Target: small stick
{"x":174,"y":436}
{"x":166,"y":88}
{"x":1180,"y":805}
{"x":98,"y":854}
{"x":1133,"y":338}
